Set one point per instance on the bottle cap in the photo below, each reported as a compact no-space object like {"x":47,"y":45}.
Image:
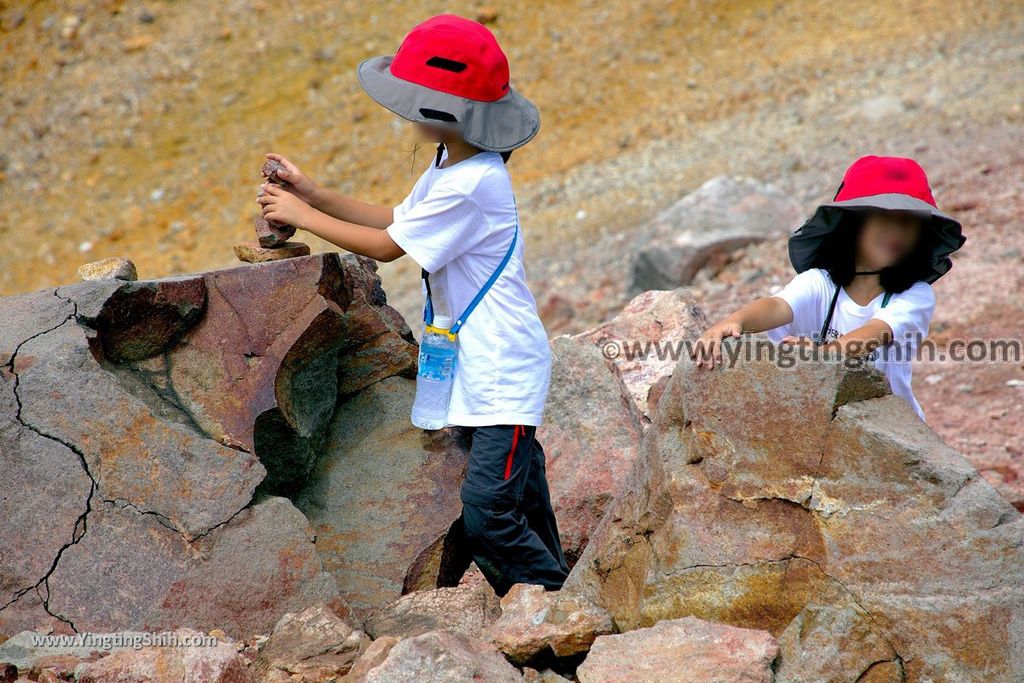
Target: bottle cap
{"x":442,"y":322}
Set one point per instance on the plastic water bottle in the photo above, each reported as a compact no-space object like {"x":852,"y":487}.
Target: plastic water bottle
{"x":435,"y":377}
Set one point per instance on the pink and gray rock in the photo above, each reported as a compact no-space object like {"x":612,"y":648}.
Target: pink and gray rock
{"x":682,"y":651}
{"x":443,"y":657}
{"x":462,"y":609}
{"x":598,"y":406}
{"x":264,"y":377}
{"x":537,"y":623}
{"x":272,"y":234}
{"x":806,"y":501}
{"x":722,"y":215}
{"x":312,"y":645}
{"x":128,"y":513}
{"x":219,"y":663}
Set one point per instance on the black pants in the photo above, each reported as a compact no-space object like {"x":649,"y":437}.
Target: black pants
{"x":506,"y":510}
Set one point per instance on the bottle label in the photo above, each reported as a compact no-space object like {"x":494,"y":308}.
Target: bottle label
{"x":437,"y":364}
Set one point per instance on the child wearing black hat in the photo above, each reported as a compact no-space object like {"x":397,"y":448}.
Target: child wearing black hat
{"x":865,"y":264}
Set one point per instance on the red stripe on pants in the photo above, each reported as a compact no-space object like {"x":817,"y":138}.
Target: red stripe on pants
{"x":512,"y":452}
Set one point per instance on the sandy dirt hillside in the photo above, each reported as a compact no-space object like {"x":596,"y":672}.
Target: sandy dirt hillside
{"x":138,"y":129}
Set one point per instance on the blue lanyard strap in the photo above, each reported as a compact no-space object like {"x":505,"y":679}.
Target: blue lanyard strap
{"x":428,"y":309}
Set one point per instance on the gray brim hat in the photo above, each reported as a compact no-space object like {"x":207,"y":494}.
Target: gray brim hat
{"x":499,"y":126}
{"x":945,"y":235}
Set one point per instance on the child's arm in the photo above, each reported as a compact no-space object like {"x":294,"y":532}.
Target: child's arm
{"x":763,"y":314}
{"x":333,"y":203}
{"x":859,"y":342}
{"x":284,"y":207}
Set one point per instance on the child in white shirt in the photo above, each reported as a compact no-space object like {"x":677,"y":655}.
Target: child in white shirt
{"x":865,"y":264}
{"x":460,"y":221}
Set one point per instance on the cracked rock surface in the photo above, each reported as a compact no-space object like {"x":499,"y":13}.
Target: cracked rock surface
{"x":139,"y":422}
{"x":810,"y":503}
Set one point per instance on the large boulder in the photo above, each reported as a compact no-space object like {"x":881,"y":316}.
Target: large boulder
{"x":142,"y":425}
{"x":682,"y":651}
{"x":802,"y":499}
{"x":603,"y":382}
{"x":722,"y":215}
{"x":279,"y":342}
{"x":384,"y":493}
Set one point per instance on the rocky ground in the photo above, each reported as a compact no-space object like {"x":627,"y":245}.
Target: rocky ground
{"x":217,"y":472}
{"x":137,"y":129}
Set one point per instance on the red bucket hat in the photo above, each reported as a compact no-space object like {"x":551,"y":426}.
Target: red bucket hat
{"x":880,"y":184}
{"x":450,"y":71}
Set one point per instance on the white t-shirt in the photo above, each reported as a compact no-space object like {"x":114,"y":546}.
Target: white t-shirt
{"x":908,"y":314}
{"x":457,"y":224}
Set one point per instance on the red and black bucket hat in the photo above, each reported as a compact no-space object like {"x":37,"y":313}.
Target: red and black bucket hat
{"x":880,"y":184}
{"x":451,"y":72}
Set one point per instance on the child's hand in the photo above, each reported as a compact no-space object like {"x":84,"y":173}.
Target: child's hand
{"x":282,"y":206}
{"x":302,"y":185}
{"x":708,"y":349}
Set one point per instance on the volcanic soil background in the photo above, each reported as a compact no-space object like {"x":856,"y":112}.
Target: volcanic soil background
{"x":137,"y":129}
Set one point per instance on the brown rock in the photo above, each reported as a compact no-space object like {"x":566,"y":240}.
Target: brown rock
{"x":602,"y":382}
{"x":682,"y":651}
{"x":370,"y":536}
{"x":462,"y":609}
{"x":219,"y":663}
{"x":266,"y":378}
{"x":272,"y":234}
{"x":722,"y":215}
{"x":443,"y":657}
{"x":130,"y":572}
{"x":487,"y":15}
{"x":806,"y":502}
{"x":140,"y":320}
{"x":137,"y":43}
{"x":254,"y":252}
{"x":373,"y":655}
{"x":114,"y":267}
{"x":545,"y":676}
{"x":313,"y":645}
{"x":270,"y":171}
{"x":8,"y":673}
{"x":536,"y":622}
{"x":269,"y":235}
{"x":649,"y":337}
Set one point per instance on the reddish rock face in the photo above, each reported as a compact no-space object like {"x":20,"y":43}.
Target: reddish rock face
{"x":260,"y":371}
{"x":601,"y":384}
{"x":808,"y":503}
{"x":129,"y":513}
{"x":682,"y":651}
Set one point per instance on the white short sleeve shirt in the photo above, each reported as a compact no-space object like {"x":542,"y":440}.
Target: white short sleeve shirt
{"x":908,"y":314}
{"x":457,"y":224}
